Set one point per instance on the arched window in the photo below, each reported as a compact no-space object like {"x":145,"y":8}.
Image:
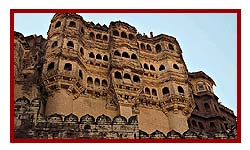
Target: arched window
{"x":136,"y":78}
{"x":82,"y":30}
{"x":200,"y":86}
{"x":152,"y":67}
{"x":200,"y":125}
{"x":175,"y":66}
{"x":131,"y":36}
{"x":89,"y":80}
{"x":58,"y":24}
{"x":158,"y":48}
{"x":145,"y":66}
{"x":124,"y":35}
{"x":91,"y":55}
{"x":212,"y":125}
{"x":117,"y":53}
{"x":105,"y":37}
{"x":126,"y":76}
{"x":54,"y":44}
{"x":162,"y":67}
{"x":70,"y":44}
{"x":147,"y":91}
{"x":154,"y":92}
{"x":115,"y":33}
{"x":118,"y":75}
{"x":80,"y":74}
{"x":68,"y":67}
{"x":72,"y":24}
{"x":92,"y":36}
{"x":51,"y":66}
{"x":170,"y":46}
{"x":98,"y":36}
{"x":142,"y":46}
{"x":81,"y":51}
{"x":133,"y":56}
{"x":97,"y":82}
{"x":194,"y":123}
{"x":125,"y":54}
{"x":180,"y":89}
{"x":98,"y":56}
{"x":148,"y":47}
{"x":207,"y":107}
{"x":104,"y":83}
{"x":165,"y":91}
{"x":105,"y":58}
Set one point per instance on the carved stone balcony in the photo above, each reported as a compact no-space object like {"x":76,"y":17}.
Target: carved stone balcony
{"x":177,"y":102}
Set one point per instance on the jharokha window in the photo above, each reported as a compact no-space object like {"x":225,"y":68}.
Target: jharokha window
{"x":200,"y":86}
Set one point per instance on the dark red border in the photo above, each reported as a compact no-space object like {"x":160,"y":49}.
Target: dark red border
{"x":236,"y":11}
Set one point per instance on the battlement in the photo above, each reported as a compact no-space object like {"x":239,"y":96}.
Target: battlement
{"x":57,"y":126}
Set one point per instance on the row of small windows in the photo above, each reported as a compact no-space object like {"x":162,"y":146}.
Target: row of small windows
{"x":118,"y":75}
{"x":165,"y":91}
{"x":92,"y":36}
{"x":158,"y":47}
{"x":123,"y":35}
{"x":97,"y":82}
{"x":207,"y":107}
{"x":71,"y":24}
{"x":148,"y":47}
{"x":200,"y":125}
{"x":70,"y":45}
{"x":194,"y":124}
{"x":153,"y":91}
{"x":151,"y":67}
{"x":98,"y":56}
{"x":125,"y":54}
{"x":161,"y":68}
{"x":67,"y":67}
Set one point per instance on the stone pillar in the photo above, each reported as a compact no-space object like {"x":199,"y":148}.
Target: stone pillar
{"x":177,"y":121}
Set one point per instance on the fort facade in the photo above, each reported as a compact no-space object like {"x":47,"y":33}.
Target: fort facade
{"x":88,"y":80}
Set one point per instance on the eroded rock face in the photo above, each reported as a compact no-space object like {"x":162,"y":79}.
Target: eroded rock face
{"x":93,"y":71}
